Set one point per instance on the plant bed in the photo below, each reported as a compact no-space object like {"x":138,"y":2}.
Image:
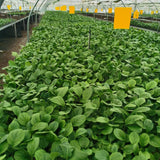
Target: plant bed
{"x":64,"y":101}
{"x":6,"y":21}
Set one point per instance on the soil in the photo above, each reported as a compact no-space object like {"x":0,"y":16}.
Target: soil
{"x":9,"y":45}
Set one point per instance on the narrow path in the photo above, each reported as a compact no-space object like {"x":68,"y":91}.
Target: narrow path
{"x":9,"y":45}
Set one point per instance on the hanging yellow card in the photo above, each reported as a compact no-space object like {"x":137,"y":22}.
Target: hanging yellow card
{"x":157,"y":12}
{"x":30,"y":7}
{"x":57,"y":8}
{"x":9,"y":7}
{"x":20,"y":8}
{"x":96,"y":10}
{"x":63,"y":8}
{"x":110,"y":10}
{"x":71,"y":9}
{"x":152,"y":12}
{"x":87,"y":10}
{"x":122,"y":17}
{"x":101,"y":10}
{"x":136,"y":15}
{"x":81,"y":9}
{"x":141,"y":12}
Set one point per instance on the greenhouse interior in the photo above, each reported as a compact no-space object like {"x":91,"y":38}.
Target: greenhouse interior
{"x":79,"y":80}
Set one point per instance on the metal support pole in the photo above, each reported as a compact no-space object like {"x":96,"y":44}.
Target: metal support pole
{"x":29,"y":20}
{"x":89,"y":38}
{"x":15,"y":30}
{"x":123,"y":3}
{"x":24,"y":27}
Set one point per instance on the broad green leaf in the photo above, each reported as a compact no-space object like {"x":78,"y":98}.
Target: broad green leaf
{"x":140,"y":101}
{"x":78,"y":120}
{"x":118,"y":110}
{"x":53,"y":126}
{"x":79,"y":155}
{"x":114,"y":147}
{"x":3,"y":157}
{"x":116,"y":156}
{"x":23,"y":118}
{"x":119,"y":134}
{"x":151,"y":85}
{"x":139,"y":90}
{"x":133,"y":118}
{"x":84,"y":142}
{"x":49,"y":74}
{"x":145,"y":154}
{"x":131,"y":83}
{"x":42,"y":155}
{"x":139,"y":157}
{"x":101,"y":155}
{"x":80,"y":131}
{"x":135,"y":128}
{"x":87,"y":93}
{"x":13,"y":125}
{"x":62,"y":91}
{"x":68,"y":129}
{"x":75,"y":144}
{"x":90,"y":105}
{"x":21,"y":154}
{"x":15,"y":137}
{"x":116,"y":102}
{"x":133,"y":137}
{"x":3,"y":147}
{"x":33,"y":145}
{"x":40,"y":126}
{"x":35,"y":118}
{"x":107,"y":130}
{"x":141,"y":109}
{"x":144,"y":139}
{"x":58,"y":100}
{"x":128,"y":149}
{"x":66,"y":150}
{"x":77,"y":90}
{"x":148,"y":125}
{"x":155,"y":141}
{"x":102,"y":120}
{"x":49,"y":109}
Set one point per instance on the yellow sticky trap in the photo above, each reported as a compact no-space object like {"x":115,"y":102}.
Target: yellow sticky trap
{"x":101,"y":10}
{"x":157,"y":12}
{"x":122,"y":17}
{"x":152,"y":12}
{"x":57,"y":8}
{"x":132,"y":10}
{"x":110,"y":10}
{"x":63,"y":8}
{"x":81,"y":10}
{"x":141,"y":12}
{"x":20,"y":8}
{"x":87,"y":10}
{"x":96,"y":10}
{"x":136,"y":15}
{"x":30,"y":7}
{"x":71,"y":10}
{"x":9,"y":7}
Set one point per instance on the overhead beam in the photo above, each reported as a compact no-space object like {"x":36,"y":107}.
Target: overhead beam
{"x":1,"y":2}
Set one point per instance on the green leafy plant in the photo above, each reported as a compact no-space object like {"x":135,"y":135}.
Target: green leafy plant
{"x":61,"y":100}
{"x":6,"y":21}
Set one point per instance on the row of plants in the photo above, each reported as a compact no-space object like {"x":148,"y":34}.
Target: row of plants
{"x":18,"y":13}
{"x":6,"y":21}
{"x":62,"y":100}
{"x":152,"y":26}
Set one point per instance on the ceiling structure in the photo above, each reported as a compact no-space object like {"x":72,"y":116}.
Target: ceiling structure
{"x":146,"y":5}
